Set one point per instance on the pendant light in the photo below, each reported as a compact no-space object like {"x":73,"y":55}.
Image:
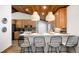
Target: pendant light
{"x":35,"y":16}
{"x":50,"y":17}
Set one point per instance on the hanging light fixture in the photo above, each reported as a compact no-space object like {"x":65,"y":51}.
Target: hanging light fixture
{"x":50,"y":17}
{"x":35,"y":16}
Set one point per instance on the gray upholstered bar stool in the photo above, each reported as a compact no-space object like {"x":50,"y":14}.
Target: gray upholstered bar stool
{"x":25,"y":44}
{"x":20,"y":41}
{"x":72,"y":42}
{"x":39,"y":43}
{"x":55,"y":42}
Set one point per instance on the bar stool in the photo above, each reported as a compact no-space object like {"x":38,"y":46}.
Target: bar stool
{"x":72,"y":42}
{"x":20,"y":41}
{"x":55,"y":42}
{"x":25,"y":44}
{"x":39,"y":42}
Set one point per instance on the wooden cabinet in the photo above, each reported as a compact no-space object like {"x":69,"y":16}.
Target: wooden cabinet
{"x":19,"y":23}
{"x":16,"y":35}
{"x":29,"y":22}
{"x":23,"y":23}
{"x":61,"y":18}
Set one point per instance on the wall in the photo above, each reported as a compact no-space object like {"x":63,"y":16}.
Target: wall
{"x":5,"y":38}
{"x":42,"y":27}
{"x":73,"y":21}
{"x":19,"y":15}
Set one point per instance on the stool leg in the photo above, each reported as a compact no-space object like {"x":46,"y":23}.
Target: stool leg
{"x":43,"y":49}
{"x":57,"y":49}
{"x":35,"y":49}
{"x":70,"y":48}
{"x":28,"y":50}
{"x":74,"y":50}
{"x":67,"y":49}
{"x":31,"y":49}
{"x":48,"y":48}
{"x":51,"y":49}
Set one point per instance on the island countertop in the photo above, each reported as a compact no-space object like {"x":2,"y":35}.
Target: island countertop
{"x":44,"y":34}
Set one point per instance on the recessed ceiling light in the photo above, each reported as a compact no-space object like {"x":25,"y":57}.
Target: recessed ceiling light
{"x":27,"y":9}
{"x":42,"y":13}
{"x":44,"y":7}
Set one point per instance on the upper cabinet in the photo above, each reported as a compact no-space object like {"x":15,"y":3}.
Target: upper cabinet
{"x":29,"y":22}
{"x":21,"y":23}
{"x":61,"y":18}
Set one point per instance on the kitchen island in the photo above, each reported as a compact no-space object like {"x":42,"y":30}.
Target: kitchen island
{"x":47,"y":37}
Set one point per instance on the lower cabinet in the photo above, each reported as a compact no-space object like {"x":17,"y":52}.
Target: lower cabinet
{"x":16,"y":35}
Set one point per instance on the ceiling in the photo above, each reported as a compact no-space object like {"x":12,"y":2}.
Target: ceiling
{"x":41,"y":9}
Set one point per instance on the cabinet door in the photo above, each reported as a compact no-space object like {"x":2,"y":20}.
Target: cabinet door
{"x":16,"y":35}
{"x":57,"y":19}
{"x":25,"y":23}
{"x":19,"y":24}
{"x":61,"y":19}
{"x":29,"y":22}
{"x":33,"y":23}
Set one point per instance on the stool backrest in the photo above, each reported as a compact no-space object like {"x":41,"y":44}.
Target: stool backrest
{"x":39,"y":40}
{"x":56,"y":40}
{"x":72,"y":40}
